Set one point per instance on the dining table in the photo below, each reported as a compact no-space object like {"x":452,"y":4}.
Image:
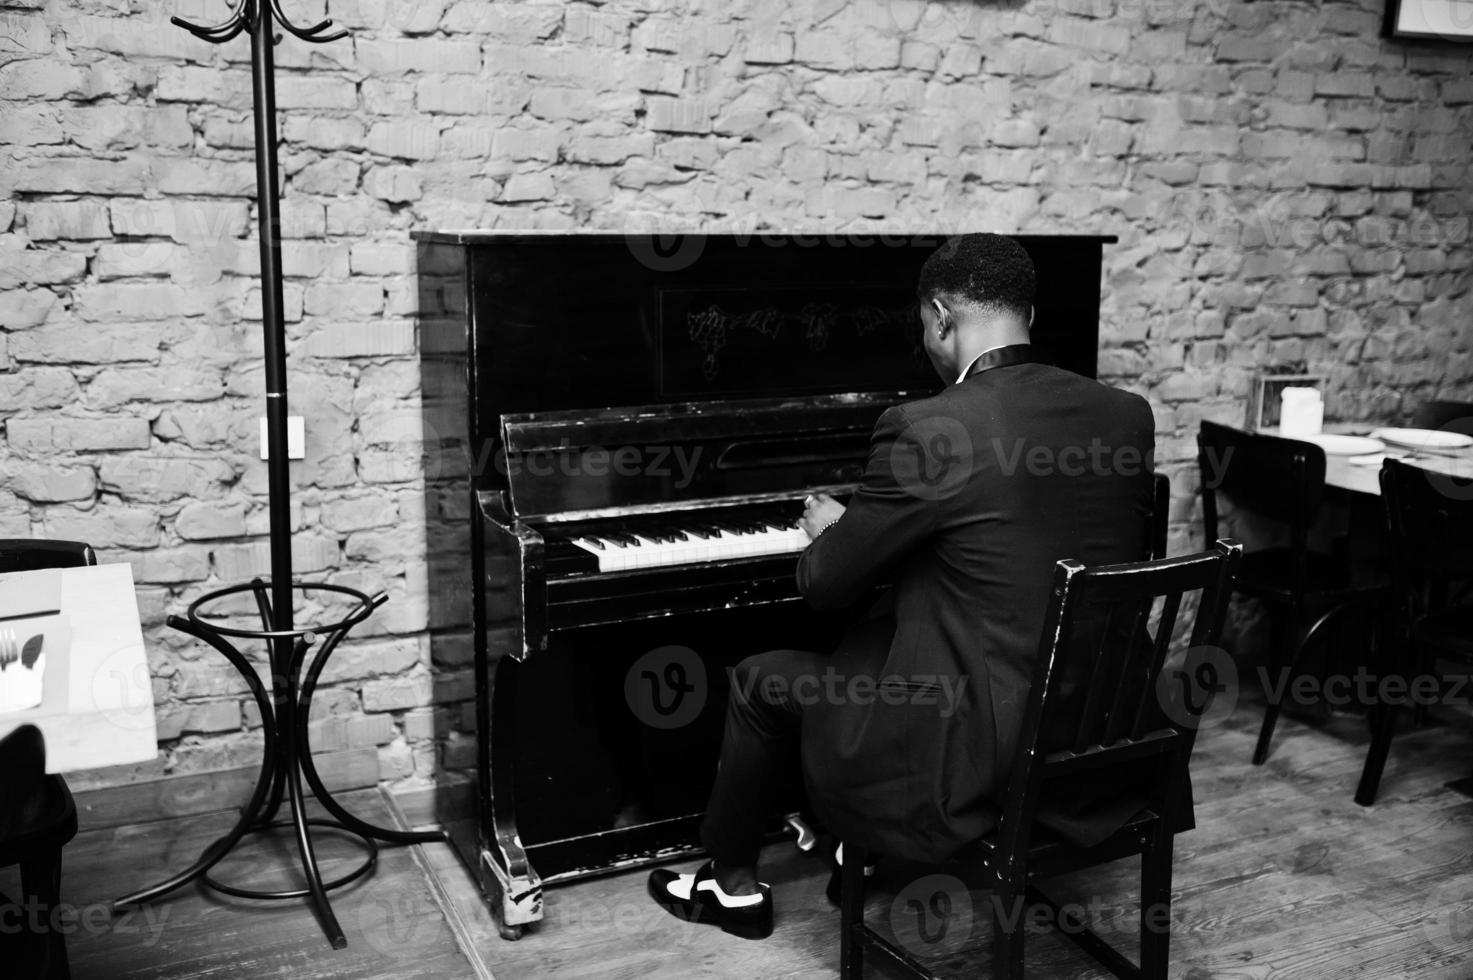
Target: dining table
{"x":97,"y":705}
{"x":1360,"y":472}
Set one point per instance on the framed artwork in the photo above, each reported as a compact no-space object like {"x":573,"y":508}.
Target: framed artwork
{"x":1430,"y":20}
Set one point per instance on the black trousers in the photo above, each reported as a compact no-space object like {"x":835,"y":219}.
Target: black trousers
{"x":760,"y":761}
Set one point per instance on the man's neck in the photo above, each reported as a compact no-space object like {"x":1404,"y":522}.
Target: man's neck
{"x":992,"y":341}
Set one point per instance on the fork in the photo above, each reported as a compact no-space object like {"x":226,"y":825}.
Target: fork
{"x":9,"y":648}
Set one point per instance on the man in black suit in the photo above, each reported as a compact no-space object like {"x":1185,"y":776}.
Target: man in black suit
{"x":907,"y":732}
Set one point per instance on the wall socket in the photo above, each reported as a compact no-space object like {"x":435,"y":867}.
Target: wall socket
{"x":296,"y":438}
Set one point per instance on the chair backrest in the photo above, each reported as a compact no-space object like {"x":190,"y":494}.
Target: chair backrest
{"x":29,"y":554}
{"x":1160,"y":516}
{"x":1430,"y":520}
{"x":1097,"y":630}
{"x":1281,"y":479}
{"x":1453,"y":416}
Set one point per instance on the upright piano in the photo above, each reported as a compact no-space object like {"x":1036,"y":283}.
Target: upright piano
{"x":619,"y":432}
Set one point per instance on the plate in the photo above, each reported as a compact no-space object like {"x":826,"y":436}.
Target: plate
{"x":1338,"y":445}
{"x":1424,"y":438}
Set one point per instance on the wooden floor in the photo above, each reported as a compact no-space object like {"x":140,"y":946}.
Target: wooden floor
{"x":1284,"y":879}
{"x":396,"y":929}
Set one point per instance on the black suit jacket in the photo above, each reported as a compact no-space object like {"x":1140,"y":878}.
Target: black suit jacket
{"x":967,"y":501}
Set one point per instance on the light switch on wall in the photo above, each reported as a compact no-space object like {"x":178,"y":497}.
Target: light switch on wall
{"x":296,"y":438}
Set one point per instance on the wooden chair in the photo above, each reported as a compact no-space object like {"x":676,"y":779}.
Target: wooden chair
{"x":1452,"y":416}
{"x":1282,"y":480}
{"x":1430,"y":519}
{"x":1160,"y":515}
{"x":38,"y":816}
{"x":1117,"y":730}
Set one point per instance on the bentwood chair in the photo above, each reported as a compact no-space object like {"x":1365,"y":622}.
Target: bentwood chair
{"x":1430,"y":519}
{"x":1282,"y":480}
{"x":37,"y":814}
{"x":1114,"y":731}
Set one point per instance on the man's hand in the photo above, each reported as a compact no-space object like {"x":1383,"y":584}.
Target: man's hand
{"x":819,"y":511}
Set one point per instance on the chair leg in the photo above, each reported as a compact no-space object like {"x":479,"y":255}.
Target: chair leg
{"x":1383,"y":727}
{"x":1288,"y":632}
{"x":1265,"y":734}
{"x":41,"y":884}
{"x":851,"y":914}
{"x":1008,"y":923}
{"x":1156,"y":908}
{"x":1300,"y":635}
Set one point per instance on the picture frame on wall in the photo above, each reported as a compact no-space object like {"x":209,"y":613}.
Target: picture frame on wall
{"x":1430,"y":20}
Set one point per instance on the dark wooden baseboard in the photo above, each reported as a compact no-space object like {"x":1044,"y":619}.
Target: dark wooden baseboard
{"x":209,"y":792}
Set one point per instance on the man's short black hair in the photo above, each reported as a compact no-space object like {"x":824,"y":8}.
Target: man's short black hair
{"x":989,"y":270}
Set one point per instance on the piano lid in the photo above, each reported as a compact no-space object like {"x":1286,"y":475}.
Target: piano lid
{"x":705,"y":334}
{"x":694,"y":421}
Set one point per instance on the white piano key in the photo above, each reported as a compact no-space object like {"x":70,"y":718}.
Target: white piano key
{"x":690,"y":548}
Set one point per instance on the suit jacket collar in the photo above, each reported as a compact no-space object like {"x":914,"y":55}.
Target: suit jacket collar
{"x":1000,"y":357}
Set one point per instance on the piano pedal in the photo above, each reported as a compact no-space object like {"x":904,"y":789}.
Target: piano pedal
{"x":807,"y":839}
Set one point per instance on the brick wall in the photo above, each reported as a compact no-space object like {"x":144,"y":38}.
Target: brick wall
{"x":1287,"y":187}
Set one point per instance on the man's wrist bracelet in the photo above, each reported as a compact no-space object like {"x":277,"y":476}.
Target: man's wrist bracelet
{"x":819,"y":532}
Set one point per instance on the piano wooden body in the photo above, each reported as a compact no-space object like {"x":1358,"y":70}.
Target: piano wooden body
{"x":619,"y":432}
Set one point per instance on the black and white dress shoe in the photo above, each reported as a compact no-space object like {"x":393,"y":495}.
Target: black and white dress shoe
{"x":698,"y":898}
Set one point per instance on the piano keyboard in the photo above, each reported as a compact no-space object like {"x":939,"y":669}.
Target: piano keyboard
{"x":692,"y":541}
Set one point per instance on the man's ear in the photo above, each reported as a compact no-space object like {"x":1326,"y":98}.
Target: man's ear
{"x":1032,"y":312}
{"x":943,"y":315}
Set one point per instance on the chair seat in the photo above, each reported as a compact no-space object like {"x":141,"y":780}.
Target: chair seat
{"x":1269,"y":575}
{"x":1053,"y":833}
{"x":1448,"y":632}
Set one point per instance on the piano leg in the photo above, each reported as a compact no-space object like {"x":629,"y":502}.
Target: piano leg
{"x":513,"y":888}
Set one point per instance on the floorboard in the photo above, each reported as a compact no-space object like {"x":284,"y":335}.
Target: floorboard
{"x":396,"y":930}
{"x":1285,"y":878}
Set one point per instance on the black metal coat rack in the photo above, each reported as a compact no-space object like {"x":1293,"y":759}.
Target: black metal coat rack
{"x":286,"y":710}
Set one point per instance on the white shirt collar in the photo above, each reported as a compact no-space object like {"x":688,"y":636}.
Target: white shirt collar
{"x":967,"y":370}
